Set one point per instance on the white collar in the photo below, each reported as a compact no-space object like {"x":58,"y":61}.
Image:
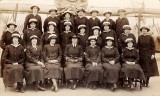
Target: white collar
{"x":109,"y":47}
{"x":15,"y":46}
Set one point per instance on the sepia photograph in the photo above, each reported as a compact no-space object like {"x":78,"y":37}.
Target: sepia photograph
{"x":79,"y":47}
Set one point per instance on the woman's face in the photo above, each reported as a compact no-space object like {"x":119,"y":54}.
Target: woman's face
{"x":52,"y":41}
{"x":12,"y":27}
{"x":107,"y":15}
{"x":121,"y":13}
{"x":93,"y":42}
{"x":51,"y":27}
{"x":94,"y":14}
{"x":109,"y":42}
{"x":144,"y":31}
{"x":74,"y":40}
{"x":35,"y":9}
{"x":34,"y":41}
{"x":53,"y":13}
{"x":80,"y":13}
{"x":130,"y":44}
{"x":126,"y":31}
{"x":67,"y":27}
{"x":95,"y":32}
{"x":67,"y":15}
{"x":82,"y":30}
{"x":106,"y":27}
{"x":15,"y":40}
{"x":33,"y":25}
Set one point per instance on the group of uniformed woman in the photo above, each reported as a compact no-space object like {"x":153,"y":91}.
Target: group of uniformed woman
{"x":82,"y":49}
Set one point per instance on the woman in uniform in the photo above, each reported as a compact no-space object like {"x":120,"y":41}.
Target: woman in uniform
{"x":74,"y":69}
{"x":52,"y":57}
{"x":124,"y":36}
{"x":111,"y":64}
{"x":130,"y":67}
{"x":6,"y":40}
{"x":93,"y":21}
{"x":13,"y":58}
{"x":93,"y":68}
{"x":51,"y":30}
{"x":121,"y":21}
{"x":32,"y":30}
{"x":108,"y":19}
{"x":108,"y":32}
{"x":97,"y":33}
{"x":34,"y":64}
{"x":34,"y":15}
{"x":146,"y":48}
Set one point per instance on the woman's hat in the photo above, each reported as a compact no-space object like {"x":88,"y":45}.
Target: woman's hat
{"x":126,"y":27}
{"x":68,"y":23}
{"x":33,"y":21}
{"x":94,"y":10}
{"x":11,"y":23}
{"x":52,"y":36}
{"x":35,"y":6}
{"x":81,"y":9}
{"x":33,"y":37}
{"x":144,"y":27}
{"x":121,"y":10}
{"x":16,"y":34}
{"x":106,"y":23}
{"x":96,"y":27}
{"x":109,"y":38}
{"x":108,"y":12}
{"x":53,"y":9}
{"x":129,"y":40}
{"x":52,"y":23}
{"x":70,"y":12}
{"x":81,"y":26}
{"x":92,"y":38}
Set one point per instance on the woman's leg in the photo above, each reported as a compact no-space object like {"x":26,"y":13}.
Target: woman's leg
{"x":54,"y":87}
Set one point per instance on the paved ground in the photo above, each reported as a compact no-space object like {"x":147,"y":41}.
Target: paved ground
{"x":153,"y":90}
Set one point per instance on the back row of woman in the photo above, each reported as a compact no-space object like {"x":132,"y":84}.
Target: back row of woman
{"x":37,"y":57}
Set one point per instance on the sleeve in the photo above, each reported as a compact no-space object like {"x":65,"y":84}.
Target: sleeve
{"x":152,"y":46}
{"x":117,"y":56}
{"x":21,"y":61}
{"x":114,"y":25}
{"x":137,"y":56}
{"x":105,"y":60}
{"x":29,"y":56}
{"x":98,"y":60}
{"x":45,"y":25}
{"x":134,"y":38}
{"x":115,"y":40}
{"x":40,"y":24}
{"x":66,"y":51}
{"x":123,"y":56}
{"x":41,"y":55}
{"x":87,"y":24}
{"x":45,"y":54}
{"x":5,"y":56}
{"x":87,"y":57}
{"x":25,"y":38}
{"x":2,"y":42}
{"x":26,"y":23}
{"x":59,"y":54}
{"x":81,"y":52}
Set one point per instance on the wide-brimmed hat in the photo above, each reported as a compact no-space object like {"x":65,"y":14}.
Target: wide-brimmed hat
{"x":33,"y":20}
{"x":125,"y":27}
{"x":70,"y":12}
{"x":107,"y":12}
{"x":94,"y":10}
{"x":109,"y":38}
{"x":96,"y":27}
{"x":106,"y":23}
{"x":129,"y":40}
{"x":53,"y":9}
{"x":92,"y":38}
{"x":121,"y":10}
{"x":52,"y":23}
{"x":52,"y":36}
{"x":68,"y":23}
{"x":11,"y":23}
{"x":81,"y":26}
{"x":35,"y":6}
{"x":16,"y":34}
{"x":34,"y":37}
{"x":144,"y":27}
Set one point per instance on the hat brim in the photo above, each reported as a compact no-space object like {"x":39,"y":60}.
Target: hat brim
{"x":126,"y":28}
{"x":11,"y":24}
{"x":35,"y":6}
{"x":52,"y":10}
{"x":107,"y":13}
{"x":94,"y":11}
{"x":81,"y":10}
{"x":33,"y":22}
{"x":145,"y":28}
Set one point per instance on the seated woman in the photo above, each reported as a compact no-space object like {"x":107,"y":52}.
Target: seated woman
{"x":74,"y":67}
{"x":130,"y":67}
{"x":110,"y":61}
{"x":14,"y":60}
{"x":34,"y":64}
{"x":93,"y":69}
{"x":52,"y":58}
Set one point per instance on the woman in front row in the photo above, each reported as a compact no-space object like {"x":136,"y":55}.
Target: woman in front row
{"x":14,"y":60}
{"x":93,"y":69}
{"x":52,"y":58}
{"x":130,"y":67}
{"x":34,"y":64}
{"x":74,"y":67}
{"x":110,"y":59}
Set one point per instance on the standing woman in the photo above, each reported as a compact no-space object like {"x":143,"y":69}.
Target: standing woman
{"x":67,"y":16}
{"x":146,"y":48}
{"x":111,"y":64}
{"x":130,"y":67}
{"x":34,"y":64}
{"x":52,"y":57}
{"x":121,"y":21}
{"x":13,"y":58}
{"x":51,"y":30}
{"x":34,"y":15}
{"x":108,"y":32}
{"x":125,"y":35}
{"x":6,"y":40}
{"x":93,"y":69}
{"x":74,"y":67}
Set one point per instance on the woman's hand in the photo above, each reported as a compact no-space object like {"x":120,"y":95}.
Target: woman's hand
{"x":41,"y":63}
{"x":15,"y":63}
{"x":112,"y":62}
{"x":94,"y":64}
{"x":152,"y":56}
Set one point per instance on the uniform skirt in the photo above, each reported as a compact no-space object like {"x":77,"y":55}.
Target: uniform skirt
{"x":33,"y":73}
{"x":111,"y":72}
{"x":53,"y":71}
{"x":13,"y":74}
{"x":74,"y":70}
{"x":93,"y":73}
{"x":132,"y":71}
